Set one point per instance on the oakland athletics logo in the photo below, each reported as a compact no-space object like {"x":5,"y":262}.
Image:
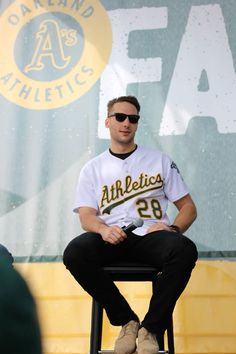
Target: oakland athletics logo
{"x":56,"y":51}
{"x":46,"y":47}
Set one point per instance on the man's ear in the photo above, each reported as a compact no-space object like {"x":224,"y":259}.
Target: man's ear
{"x":107,"y":122}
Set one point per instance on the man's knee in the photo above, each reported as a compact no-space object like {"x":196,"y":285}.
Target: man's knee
{"x":78,"y":248}
{"x":186,"y":251}
{"x":191,"y":251}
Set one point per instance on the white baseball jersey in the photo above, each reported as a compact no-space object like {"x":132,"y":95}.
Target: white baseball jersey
{"x":137,"y":187}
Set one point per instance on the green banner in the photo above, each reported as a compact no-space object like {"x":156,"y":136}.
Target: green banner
{"x":62,"y":60}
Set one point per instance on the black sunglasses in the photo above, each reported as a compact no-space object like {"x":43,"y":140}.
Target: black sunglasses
{"x":121,"y":117}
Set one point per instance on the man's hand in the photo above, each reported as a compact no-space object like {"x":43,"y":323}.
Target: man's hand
{"x":158,"y":226}
{"x":92,"y":223}
{"x":112,"y":234}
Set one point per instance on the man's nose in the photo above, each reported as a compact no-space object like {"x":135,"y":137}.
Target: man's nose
{"x":126,"y":121}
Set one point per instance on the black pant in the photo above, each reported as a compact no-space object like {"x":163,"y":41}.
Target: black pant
{"x":173,"y":253}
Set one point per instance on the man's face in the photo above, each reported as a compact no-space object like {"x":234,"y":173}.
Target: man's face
{"x":122,"y":132}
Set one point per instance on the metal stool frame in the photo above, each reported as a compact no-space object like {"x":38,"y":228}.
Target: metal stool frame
{"x":126,"y":272}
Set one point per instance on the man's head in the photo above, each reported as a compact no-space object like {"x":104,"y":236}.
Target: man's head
{"x":130,"y":99}
{"x":122,"y":121}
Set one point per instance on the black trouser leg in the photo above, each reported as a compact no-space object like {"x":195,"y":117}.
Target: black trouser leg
{"x":176,"y":256}
{"x":84,"y":257}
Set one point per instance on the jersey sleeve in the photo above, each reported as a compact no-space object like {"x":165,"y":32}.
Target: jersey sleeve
{"x":174,"y":185}
{"x":85,"y":192}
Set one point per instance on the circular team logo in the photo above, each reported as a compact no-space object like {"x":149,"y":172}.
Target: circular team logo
{"x":54,"y":51}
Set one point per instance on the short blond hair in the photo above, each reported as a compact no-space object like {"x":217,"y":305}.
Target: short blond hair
{"x":131,"y":99}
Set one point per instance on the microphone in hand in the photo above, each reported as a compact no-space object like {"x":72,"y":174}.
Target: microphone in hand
{"x":134,"y":224}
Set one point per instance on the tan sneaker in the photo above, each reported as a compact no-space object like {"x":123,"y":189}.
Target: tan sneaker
{"x":126,"y":341}
{"x":147,"y":342}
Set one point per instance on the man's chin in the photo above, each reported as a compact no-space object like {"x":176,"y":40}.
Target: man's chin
{"x":126,"y":141}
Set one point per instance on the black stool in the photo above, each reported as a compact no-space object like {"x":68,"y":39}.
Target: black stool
{"x":126,"y":272}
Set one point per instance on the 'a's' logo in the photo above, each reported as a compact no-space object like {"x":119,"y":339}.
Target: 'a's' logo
{"x":55,"y":51}
{"x":49,"y":44}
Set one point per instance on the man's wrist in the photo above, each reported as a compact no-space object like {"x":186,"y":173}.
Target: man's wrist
{"x":175,"y":228}
{"x":101,"y":227}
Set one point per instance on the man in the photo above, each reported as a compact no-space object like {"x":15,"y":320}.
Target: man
{"x":121,"y":184}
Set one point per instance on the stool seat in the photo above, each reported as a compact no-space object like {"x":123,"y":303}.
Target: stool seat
{"x":126,"y":271}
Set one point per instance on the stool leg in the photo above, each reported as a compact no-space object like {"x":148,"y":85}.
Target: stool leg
{"x":96,"y":327}
{"x":160,"y":341}
{"x":170,"y":337}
